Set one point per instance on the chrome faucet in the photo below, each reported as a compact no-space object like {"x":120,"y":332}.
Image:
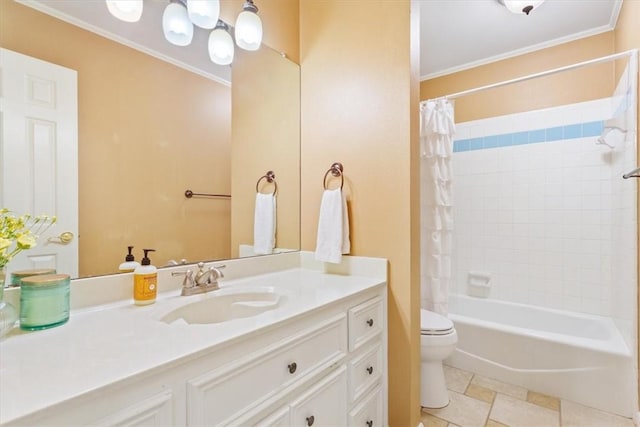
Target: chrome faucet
{"x":205,"y":280}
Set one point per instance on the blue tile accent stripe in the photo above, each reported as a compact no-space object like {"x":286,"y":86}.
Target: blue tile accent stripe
{"x":578,"y":130}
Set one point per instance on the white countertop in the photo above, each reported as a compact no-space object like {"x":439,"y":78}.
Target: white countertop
{"x":101,"y":345}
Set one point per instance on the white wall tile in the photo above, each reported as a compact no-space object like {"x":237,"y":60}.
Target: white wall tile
{"x":554,"y":222}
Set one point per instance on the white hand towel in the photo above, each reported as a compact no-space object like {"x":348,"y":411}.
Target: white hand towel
{"x":264,"y":224}
{"x":333,"y":227}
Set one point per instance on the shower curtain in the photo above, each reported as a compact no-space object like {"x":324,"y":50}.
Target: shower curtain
{"x":436,"y":143}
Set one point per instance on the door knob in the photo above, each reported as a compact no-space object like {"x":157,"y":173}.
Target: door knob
{"x":64,"y":238}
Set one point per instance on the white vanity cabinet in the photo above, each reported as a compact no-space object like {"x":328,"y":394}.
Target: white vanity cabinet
{"x":326,"y":366}
{"x":314,"y":377}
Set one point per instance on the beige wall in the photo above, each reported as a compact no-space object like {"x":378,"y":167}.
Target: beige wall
{"x":147,"y":131}
{"x":627,"y":36}
{"x":359,"y":107}
{"x":579,"y":85}
{"x":266,"y":136}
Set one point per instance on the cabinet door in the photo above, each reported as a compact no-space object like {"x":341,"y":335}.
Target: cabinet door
{"x":325,"y":404}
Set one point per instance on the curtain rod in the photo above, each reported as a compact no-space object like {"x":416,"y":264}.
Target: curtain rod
{"x":633,"y":53}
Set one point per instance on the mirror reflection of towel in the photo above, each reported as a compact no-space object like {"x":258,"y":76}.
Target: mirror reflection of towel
{"x":333,"y":227}
{"x":264,"y":224}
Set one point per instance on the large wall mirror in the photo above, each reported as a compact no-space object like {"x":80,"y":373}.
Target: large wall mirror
{"x":148,"y":130}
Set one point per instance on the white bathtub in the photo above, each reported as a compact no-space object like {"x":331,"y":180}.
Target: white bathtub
{"x":573,"y":356}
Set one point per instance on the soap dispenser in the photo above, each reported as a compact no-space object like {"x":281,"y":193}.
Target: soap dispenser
{"x":145,"y":281}
{"x":129,"y":263}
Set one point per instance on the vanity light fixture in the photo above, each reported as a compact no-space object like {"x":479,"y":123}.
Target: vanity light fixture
{"x":177,"y":27}
{"x":204,"y":13}
{"x":521,"y":6}
{"x":180,"y":16}
{"x":125,"y":10}
{"x":249,"y":27}
{"x":220,"y":45}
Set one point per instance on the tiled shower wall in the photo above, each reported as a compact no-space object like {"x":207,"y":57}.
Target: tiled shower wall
{"x":624,"y":255}
{"x":535,"y":201}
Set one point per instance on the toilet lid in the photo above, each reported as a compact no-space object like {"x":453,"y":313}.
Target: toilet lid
{"x":434,"y":324}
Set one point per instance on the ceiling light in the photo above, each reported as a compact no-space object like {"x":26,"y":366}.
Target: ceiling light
{"x":521,"y":6}
{"x":125,"y":10}
{"x":220,"y":45}
{"x":176,"y":25}
{"x":249,"y":27}
{"x":204,"y":13}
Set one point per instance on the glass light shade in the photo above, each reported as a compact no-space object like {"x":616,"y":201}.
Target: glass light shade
{"x":125,"y":10}
{"x":176,"y":25}
{"x":518,"y":6}
{"x":220,"y":46}
{"x":204,"y":13}
{"x":248,"y":30}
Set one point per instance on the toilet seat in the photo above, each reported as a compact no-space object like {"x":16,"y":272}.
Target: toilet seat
{"x":434,"y":324}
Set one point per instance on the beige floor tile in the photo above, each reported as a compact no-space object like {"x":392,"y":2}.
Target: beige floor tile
{"x":576,"y":415}
{"x":463,"y":411}
{"x":491,"y":423}
{"x":500,"y":387}
{"x":457,"y":379}
{"x":481,"y":393}
{"x":543,"y":400}
{"x":518,"y":413}
{"x":429,"y":420}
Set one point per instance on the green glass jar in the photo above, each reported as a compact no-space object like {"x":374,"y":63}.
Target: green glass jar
{"x":44,"y":301}
{"x":17,"y":276}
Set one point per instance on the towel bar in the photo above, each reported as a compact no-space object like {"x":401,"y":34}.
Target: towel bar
{"x":189,"y":194}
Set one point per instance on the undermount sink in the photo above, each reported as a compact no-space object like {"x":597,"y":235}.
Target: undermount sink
{"x":220,"y":306}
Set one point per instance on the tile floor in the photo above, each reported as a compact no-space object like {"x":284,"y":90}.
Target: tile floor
{"x":477,"y":401}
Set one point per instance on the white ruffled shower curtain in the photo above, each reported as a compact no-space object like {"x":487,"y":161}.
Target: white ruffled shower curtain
{"x":436,"y":143}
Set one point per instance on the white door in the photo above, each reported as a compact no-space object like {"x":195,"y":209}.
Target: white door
{"x":39,"y":155}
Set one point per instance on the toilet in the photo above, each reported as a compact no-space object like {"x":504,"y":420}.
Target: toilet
{"x":438,"y":339}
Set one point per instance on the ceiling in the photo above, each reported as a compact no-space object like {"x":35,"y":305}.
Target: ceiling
{"x":455,"y":34}
{"x":461,"y":34}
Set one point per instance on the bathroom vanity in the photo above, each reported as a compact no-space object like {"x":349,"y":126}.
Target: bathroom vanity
{"x":286,"y":341}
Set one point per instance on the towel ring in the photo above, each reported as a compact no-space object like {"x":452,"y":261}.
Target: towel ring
{"x":271,"y":178}
{"x":335,"y":170}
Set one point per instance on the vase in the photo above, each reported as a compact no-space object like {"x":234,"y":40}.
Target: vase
{"x":8,"y":313}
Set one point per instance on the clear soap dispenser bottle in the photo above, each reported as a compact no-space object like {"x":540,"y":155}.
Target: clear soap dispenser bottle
{"x":129,"y":263}
{"x":145,"y":281}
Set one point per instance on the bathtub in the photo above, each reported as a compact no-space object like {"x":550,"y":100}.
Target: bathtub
{"x":582,"y":358}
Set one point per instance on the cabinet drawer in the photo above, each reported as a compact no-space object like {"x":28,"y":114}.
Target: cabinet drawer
{"x":365,"y":322}
{"x":369,"y":412}
{"x":364,"y":371}
{"x":324,"y":405}
{"x":226,"y":392}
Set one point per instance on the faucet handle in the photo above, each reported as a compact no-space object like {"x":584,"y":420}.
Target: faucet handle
{"x":188,"y":281}
{"x":215,"y":271}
